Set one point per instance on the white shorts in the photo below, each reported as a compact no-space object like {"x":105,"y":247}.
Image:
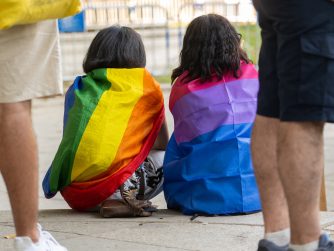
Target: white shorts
{"x":30,"y":64}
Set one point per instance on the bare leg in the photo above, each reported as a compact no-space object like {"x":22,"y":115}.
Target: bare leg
{"x":264,"y":149}
{"x":18,"y":165}
{"x":300,"y":159}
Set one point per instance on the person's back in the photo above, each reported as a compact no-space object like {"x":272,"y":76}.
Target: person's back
{"x":112,"y":118}
{"x":207,"y":166}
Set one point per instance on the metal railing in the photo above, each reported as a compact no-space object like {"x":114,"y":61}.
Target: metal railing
{"x":188,"y":11}
{"x":161,"y":28}
{"x":101,"y":13}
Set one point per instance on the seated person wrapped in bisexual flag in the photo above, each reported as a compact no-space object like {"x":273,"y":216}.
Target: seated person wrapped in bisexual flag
{"x":207,"y":166}
{"x":114,"y":118}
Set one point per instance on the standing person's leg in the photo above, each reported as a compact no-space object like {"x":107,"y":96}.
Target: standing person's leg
{"x":18,"y":165}
{"x":300,"y":160}
{"x":30,"y":68}
{"x":264,"y":143}
{"x":305,"y":71}
{"x":264,"y":153}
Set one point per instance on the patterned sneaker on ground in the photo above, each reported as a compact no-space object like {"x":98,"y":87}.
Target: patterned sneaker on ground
{"x":265,"y":245}
{"x":46,"y":242}
{"x":151,"y":176}
{"x":131,"y":199}
{"x":325,"y":243}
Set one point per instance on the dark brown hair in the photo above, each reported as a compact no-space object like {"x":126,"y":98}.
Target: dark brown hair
{"x":211,"y":45}
{"x":115,"y":47}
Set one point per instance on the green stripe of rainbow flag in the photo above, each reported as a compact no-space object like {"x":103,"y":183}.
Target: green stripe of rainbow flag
{"x":112,"y":117}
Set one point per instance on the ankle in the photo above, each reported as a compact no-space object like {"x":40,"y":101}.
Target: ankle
{"x":311,"y":246}
{"x":32,"y":234}
{"x":279,"y":238}
{"x":45,"y":242}
{"x":300,"y":239}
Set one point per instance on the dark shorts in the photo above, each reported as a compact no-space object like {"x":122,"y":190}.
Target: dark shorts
{"x":296,"y":64}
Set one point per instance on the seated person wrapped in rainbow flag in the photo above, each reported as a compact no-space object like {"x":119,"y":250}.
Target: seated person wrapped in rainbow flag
{"x":114,"y":117}
{"x":207,"y":166}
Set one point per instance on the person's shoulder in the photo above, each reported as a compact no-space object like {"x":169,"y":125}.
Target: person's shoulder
{"x":248,"y":70}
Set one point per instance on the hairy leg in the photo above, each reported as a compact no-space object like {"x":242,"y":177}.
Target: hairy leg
{"x":300,"y":160}
{"x":18,"y":165}
{"x":264,"y":154}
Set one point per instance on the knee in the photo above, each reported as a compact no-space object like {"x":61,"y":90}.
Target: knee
{"x":300,"y":133}
{"x":9,"y":110}
{"x":264,"y":136}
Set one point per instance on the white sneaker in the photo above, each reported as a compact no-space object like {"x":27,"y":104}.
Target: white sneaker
{"x":46,"y":242}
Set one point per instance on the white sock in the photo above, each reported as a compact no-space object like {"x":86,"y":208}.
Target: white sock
{"x":311,"y":246}
{"x":280,"y":238}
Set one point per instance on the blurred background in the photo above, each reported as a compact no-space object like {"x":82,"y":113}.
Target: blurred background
{"x":161,"y":23}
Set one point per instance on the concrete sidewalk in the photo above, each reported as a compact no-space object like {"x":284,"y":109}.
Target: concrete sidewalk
{"x":48,"y":116}
{"x":165,"y":230}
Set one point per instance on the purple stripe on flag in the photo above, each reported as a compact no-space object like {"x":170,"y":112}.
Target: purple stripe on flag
{"x":202,"y":111}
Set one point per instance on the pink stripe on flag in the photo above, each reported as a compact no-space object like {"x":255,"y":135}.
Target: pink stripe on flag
{"x":181,"y":89}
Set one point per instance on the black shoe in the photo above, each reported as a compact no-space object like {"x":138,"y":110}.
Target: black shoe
{"x":325,"y":244}
{"x":265,"y":245}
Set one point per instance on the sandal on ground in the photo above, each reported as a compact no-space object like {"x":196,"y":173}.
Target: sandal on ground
{"x":128,"y":206}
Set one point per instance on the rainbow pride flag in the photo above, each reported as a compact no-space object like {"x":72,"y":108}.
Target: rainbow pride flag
{"x":207,"y":166}
{"x":112,"y":118}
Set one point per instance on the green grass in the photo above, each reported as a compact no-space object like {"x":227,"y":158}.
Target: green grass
{"x":251,"y":40}
{"x":163,"y":79}
{"x":67,"y":84}
{"x":251,"y":43}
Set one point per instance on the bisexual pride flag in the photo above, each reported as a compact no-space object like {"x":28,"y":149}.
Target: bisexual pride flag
{"x":112,"y":118}
{"x":207,"y":166}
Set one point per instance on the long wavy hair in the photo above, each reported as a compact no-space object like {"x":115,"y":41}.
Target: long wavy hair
{"x":211,"y":46}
